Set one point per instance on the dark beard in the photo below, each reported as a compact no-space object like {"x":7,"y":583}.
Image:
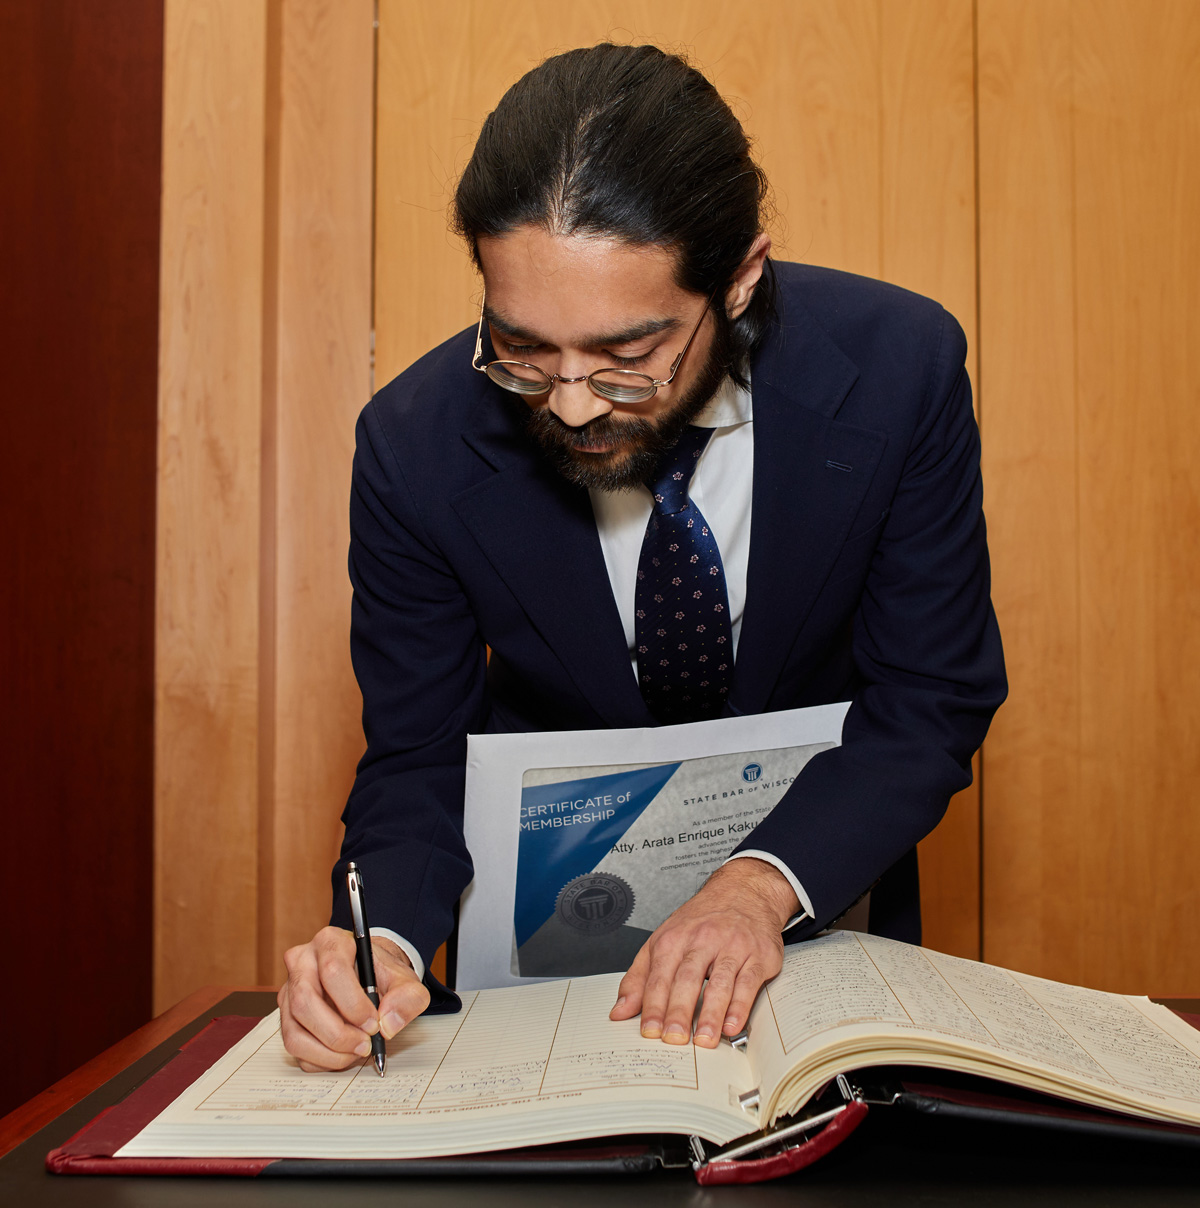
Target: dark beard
{"x":638,"y":444}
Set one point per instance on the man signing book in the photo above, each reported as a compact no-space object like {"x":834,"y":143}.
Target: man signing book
{"x":667,"y":479}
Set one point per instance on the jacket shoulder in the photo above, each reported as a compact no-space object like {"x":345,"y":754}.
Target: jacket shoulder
{"x":435,"y":389}
{"x":861,"y":313}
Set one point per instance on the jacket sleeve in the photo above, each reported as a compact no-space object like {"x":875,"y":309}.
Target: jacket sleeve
{"x":421,"y":666}
{"x":928,"y":661}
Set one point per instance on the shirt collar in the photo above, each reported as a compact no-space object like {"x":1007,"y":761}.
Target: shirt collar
{"x":729,"y":406}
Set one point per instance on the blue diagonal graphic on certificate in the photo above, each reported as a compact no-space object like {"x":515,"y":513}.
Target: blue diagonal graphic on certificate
{"x":566,"y":829}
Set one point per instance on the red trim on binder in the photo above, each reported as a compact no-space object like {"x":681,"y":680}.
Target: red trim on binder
{"x":758,"y":1170}
{"x":91,"y":1149}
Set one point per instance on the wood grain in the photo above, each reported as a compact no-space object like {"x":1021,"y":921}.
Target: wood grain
{"x":1089,"y":187}
{"x":927,"y":244}
{"x":1028,"y":340}
{"x":1137,"y":188}
{"x":266,"y":319}
{"x":317,"y":382}
{"x":210,"y":387}
{"x":863,"y":117}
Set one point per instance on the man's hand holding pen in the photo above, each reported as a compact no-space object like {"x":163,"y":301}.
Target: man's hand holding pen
{"x":323,"y":995}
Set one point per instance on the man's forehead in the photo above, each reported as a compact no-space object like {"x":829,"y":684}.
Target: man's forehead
{"x":592,"y":290}
{"x":623,"y":332}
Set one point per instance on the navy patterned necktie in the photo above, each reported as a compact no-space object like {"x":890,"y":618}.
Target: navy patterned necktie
{"x":681,"y":608}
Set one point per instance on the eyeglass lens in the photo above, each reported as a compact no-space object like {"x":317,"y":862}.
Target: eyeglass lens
{"x":517,"y":377}
{"x":616,"y":385}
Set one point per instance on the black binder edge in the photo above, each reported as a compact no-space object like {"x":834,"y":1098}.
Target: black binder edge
{"x":645,"y":1155}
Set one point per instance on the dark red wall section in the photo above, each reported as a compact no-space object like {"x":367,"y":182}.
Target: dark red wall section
{"x":80,"y":132}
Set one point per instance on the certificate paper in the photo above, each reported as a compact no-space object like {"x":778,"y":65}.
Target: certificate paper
{"x":593,"y":837}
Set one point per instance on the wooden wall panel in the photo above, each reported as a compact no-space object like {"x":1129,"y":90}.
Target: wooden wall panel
{"x":265,"y":331}
{"x":864,"y":121}
{"x":1089,"y":131}
{"x":1137,"y":172}
{"x":1137,"y":139}
{"x":210,"y":387}
{"x":80,"y":113}
{"x":319,"y":382}
{"x":1026,"y":304}
{"x":927,"y":244}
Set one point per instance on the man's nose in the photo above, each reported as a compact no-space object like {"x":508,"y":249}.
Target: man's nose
{"x":576,"y":404}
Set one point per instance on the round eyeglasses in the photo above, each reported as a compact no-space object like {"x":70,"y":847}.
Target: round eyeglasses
{"x":616,"y":385}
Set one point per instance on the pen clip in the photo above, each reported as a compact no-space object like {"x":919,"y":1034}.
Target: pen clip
{"x":354,"y":883}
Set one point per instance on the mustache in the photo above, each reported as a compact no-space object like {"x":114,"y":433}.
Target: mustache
{"x":598,"y":433}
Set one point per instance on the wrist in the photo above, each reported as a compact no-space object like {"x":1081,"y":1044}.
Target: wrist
{"x":762,"y":882}
{"x":391,"y":949}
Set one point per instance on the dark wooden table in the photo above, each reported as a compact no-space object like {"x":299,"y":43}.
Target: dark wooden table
{"x":890,"y":1160}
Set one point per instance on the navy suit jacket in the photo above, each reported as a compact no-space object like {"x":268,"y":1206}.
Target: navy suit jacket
{"x":868,"y":581}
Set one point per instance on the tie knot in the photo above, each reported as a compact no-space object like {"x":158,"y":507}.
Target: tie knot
{"x":669,"y":483}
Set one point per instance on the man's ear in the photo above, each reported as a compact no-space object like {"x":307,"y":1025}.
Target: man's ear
{"x":741,"y":288}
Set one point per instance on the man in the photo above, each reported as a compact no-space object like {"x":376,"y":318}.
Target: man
{"x":814,"y":507}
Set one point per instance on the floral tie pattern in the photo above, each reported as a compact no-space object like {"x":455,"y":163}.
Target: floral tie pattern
{"x":681,"y":607}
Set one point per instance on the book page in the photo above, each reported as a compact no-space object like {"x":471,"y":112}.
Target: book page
{"x":519,"y":1065}
{"x":1125,"y":1037}
{"x":893,"y":1003}
{"x":1015,"y":1022}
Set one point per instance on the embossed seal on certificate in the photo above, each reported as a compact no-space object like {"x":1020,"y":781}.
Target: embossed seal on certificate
{"x":595,"y":903}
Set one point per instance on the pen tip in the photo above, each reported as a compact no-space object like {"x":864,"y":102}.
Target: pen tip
{"x":380,"y":1064}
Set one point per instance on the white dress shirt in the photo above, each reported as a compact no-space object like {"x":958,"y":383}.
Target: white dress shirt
{"x":722,"y":488}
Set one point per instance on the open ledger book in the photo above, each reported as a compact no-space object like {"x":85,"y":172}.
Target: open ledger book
{"x":541,"y":1063}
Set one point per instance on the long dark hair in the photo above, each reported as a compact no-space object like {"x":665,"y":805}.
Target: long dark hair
{"x":633,"y":143}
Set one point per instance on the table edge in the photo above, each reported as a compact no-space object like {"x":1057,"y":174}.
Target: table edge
{"x":22,"y":1122}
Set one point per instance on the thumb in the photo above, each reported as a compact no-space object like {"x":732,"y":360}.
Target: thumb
{"x":402,"y":996}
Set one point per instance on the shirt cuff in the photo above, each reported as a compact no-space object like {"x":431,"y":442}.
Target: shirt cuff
{"x":413,"y":955}
{"x":806,"y":908}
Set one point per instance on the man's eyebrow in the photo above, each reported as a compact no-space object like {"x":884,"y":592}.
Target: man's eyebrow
{"x":627,"y":335}
{"x":506,"y":327}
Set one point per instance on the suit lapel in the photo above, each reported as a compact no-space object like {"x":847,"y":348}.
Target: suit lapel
{"x":539,"y":534}
{"x":803,"y":506}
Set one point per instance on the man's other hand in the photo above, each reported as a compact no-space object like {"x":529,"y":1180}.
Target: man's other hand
{"x":730,"y":932}
{"x":327,"y":1018}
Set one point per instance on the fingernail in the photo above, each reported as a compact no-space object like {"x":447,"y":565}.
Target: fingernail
{"x":391,"y":1024}
{"x":705,"y":1037}
{"x":371,"y":1026}
{"x":651,"y":1029}
{"x":620,"y":1001}
{"x":363,"y":1049}
{"x":731,"y":1023}
{"x":675,"y":1035}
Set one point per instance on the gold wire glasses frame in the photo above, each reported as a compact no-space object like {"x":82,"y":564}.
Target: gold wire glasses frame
{"x":615,"y":385}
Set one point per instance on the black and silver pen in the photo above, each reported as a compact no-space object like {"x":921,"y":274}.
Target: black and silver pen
{"x":363,"y":959}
